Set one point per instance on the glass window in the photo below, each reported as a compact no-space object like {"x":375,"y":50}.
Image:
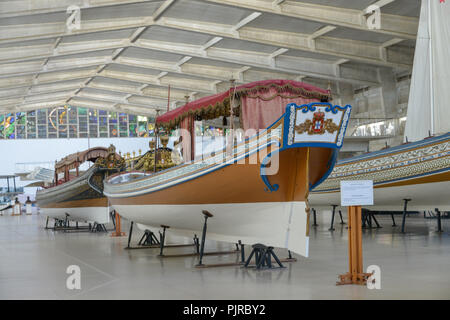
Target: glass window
{"x":10,"y":126}
{"x":102,"y":125}
{"x":123,"y":125}
{"x":82,"y":123}
{"x":62,"y":122}
{"x":142,"y":126}
{"x":151,"y":129}
{"x":113,"y":128}
{"x":52,"y":123}
{"x":93,"y":123}
{"x":132,"y":125}
{"x":31,"y":124}
{"x":73,"y":122}
{"x":2,"y":126}
{"x":21,"y":122}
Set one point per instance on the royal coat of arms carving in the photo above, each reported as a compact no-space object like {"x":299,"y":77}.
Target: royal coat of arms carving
{"x":318,"y":125}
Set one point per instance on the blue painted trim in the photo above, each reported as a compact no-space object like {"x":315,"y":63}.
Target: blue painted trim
{"x":331,"y":165}
{"x":394,"y":180}
{"x":305,"y":109}
{"x":404,"y":147}
{"x":263,"y":175}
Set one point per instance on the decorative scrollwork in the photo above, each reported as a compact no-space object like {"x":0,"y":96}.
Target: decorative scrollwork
{"x":165,"y":158}
{"x":111,"y":162}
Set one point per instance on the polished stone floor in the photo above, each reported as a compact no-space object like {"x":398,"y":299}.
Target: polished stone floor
{"x":33,"y":263}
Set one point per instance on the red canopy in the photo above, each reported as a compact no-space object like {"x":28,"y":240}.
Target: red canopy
{"x":252,"y":89}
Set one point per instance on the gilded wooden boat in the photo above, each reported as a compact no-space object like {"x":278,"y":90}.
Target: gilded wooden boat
{"x":257,"y":190}
{"x":419,"y":171}
{"x":80,"y":196}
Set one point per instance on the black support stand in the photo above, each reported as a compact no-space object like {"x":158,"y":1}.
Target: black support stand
{"x":375,"y":219}
{"x":197,"y":244}
{"x":148,"y":239}
{"x":340,"y":215}
{"x":64,"y":225}
{"x":112,"y":215}
{"x":439,"y":225}
{"x":162,"y":237}
{"x":332,"y":217}
{"x":263,"y":257}
{"x":393,"y":220}
{"x":207,"y":215}
{"x":405,"y":207}
{"x":242,"y":252}
{"x":367,"y":217}
{"x":98,"y":227}
{"x":290,"y":257}
{"x":314,"y":215}
{"x":129,"y":234}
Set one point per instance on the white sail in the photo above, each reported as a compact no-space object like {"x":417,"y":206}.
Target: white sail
{"x":428,"y":109}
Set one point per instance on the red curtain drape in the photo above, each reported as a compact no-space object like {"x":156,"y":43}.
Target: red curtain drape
{"x":187,"y":134}
{"x":257,"y":113}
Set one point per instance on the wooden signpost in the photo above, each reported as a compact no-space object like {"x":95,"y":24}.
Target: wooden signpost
{"x":353,"y":195}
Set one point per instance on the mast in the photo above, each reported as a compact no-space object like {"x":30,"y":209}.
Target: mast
{"x":156,"y":139}
{"x":232,"y":92}
{"x":168,"y":99}
{"x":430,"y":53}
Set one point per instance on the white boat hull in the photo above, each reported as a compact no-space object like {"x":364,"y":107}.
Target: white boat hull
{"x":277,"y":224}
{"x":424,"y":196}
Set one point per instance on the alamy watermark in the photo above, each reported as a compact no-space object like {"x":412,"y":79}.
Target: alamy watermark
{"x":73,"y":281}
{"x":238,"y":147}
{"x":73,"y":22}
{"x":373,"y":17}
{"x":374,"y":281}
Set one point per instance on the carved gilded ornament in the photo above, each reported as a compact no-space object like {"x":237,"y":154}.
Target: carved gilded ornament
{"x":317,"y":126}
{"x":110,"y":162}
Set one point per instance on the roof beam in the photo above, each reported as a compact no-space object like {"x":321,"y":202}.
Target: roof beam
{"x":363,"y":51}
{"x":397,"y":26}
{"x":22,"y":8}
{"x":321,"y":32}
{"x":177,"y":83}
{"x":391,"y":42}
{"x":253,"y":59}
{"x":382,"y":3}
{"x":245,"y":21}
{"x":158,"y":13}
{"x":211,"y":42}
{"x":109,"y":105}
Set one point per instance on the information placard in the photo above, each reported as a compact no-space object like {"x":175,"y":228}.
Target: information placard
{"x":357,"y":193}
